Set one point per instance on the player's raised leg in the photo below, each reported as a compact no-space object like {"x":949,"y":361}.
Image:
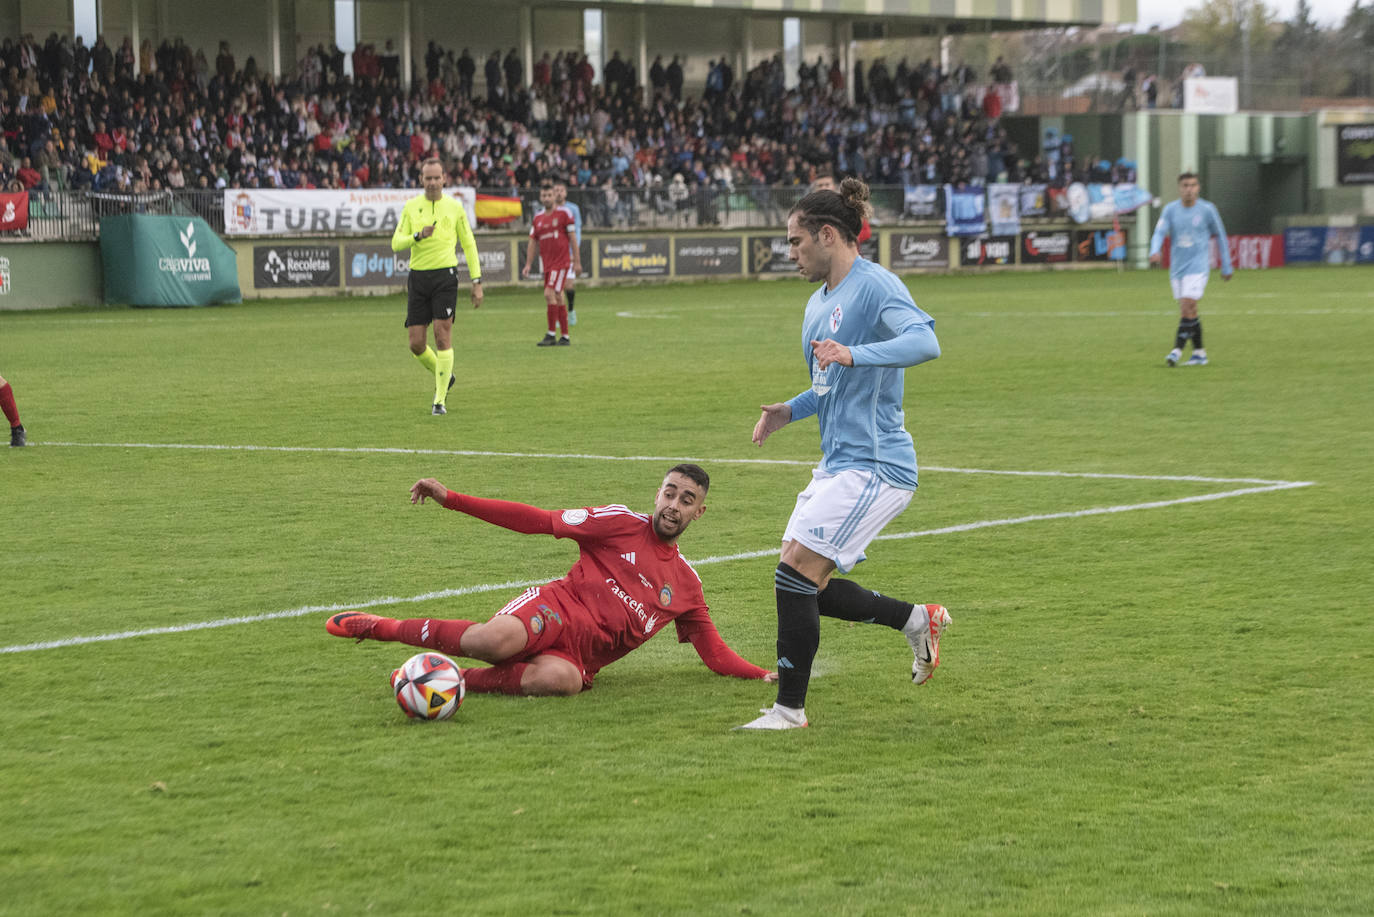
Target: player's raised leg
{"x":920,"y":624}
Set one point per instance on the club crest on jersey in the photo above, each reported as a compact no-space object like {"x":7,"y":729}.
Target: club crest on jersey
{"x":665,"y":595}
{"x":574,"y":516}
{"x":836,"y":319}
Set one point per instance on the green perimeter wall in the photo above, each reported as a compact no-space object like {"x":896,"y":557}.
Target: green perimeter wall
{"x":50,"y":275}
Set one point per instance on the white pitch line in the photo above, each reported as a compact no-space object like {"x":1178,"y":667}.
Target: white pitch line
{"x":387,"y":450}
{"x":746,"y":555}
{"x":267,"y":616}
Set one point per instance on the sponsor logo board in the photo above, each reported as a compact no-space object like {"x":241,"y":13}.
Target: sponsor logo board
{"x":635,"y":257}
{"x":768,"y":255}
{"x":370,"y":211}
{"x":281,"y":266}
{"x":1355,"y":154}
{"x":988,"y":251}
{"x":708,"y":255}
{"x":1046,"y":247}
{"x":1303,"y":244}
{"x":914,"y":250}
{"x":1099,"y":244}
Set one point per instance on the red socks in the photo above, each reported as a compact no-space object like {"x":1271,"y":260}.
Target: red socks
{"x":498,"y":679}
{"x":12,"y":413}
{"x":563,"y":319}
{"x":447,"y":637}
{"x":431,"y":633}
{"x":551,"y":310}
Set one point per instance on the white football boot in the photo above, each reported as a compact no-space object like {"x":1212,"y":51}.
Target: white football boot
{"x":777,"y":717}
{"x":925,"y":639}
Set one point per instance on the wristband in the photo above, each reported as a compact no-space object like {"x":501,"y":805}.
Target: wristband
{"x":416,"y":237}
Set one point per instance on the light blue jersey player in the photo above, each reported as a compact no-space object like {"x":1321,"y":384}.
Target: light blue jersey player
{"x":1189,"y":224}
{"x":560,"y":191}
{"x":860,"y":332}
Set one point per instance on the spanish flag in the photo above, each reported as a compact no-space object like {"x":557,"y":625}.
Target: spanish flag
{"x":494,"y":210}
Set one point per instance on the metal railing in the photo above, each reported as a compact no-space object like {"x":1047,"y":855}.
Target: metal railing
{"x":74,"y":216}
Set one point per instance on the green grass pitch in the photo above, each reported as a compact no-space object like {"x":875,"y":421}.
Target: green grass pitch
{"x":1157,"y":696}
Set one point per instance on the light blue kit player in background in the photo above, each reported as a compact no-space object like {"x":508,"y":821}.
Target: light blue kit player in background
{"x":1189,"y":224}
{"x":860,"y":332}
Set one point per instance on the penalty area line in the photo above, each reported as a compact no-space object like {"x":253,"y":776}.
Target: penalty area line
{"x":724,"y":558}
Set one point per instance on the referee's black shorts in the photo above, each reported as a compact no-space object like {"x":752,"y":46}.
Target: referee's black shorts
{"x":431,"y":295}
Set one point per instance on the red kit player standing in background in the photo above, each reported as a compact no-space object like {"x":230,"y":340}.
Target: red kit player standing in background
{"x":551,"y":231}
{"x":629,"y":581}
{"x":18,"y":436}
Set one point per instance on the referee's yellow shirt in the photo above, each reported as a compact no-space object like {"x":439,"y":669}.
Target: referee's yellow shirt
{"x":450,"y":222}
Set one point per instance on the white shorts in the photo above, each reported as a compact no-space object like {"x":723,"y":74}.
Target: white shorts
{"x":838,"y":515}
{"x":1188,"y":286}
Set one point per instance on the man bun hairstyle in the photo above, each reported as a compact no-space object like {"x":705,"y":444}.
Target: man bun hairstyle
{"x":845,"y":209}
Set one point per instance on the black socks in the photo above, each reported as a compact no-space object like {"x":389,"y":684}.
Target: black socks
{"x":799,"y":634}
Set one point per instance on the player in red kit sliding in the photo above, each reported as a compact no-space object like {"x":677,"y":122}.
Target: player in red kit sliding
{"x":628,"y":583}
{"x":551,"y":231}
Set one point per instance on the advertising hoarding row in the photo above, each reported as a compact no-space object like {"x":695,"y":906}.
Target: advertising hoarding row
{"x":1328,"y":245}
{"x":373,"y":265}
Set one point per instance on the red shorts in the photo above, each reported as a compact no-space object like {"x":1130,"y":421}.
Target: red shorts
{"x":548,"y":628}
{"x":555,"y":279}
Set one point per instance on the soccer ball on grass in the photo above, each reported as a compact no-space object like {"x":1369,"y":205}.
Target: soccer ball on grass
{"x":429,"y":686}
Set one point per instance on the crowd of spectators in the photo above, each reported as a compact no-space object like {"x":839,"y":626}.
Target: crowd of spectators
{"x":129,"y":120}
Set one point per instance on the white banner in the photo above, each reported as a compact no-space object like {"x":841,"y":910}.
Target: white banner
{"x":1211,"y":95}
{"x":363,"y":211}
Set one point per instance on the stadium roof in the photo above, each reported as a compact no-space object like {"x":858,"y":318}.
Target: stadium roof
{"x":984,"y":14}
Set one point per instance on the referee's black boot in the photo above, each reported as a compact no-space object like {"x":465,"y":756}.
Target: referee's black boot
{"x":440,"y":409}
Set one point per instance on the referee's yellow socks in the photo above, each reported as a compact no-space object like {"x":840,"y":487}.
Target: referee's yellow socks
{"x":427,"y":359}
{"x":443,"y":368}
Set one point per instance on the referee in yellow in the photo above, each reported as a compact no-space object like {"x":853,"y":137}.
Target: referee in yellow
{"x":431,"y":226}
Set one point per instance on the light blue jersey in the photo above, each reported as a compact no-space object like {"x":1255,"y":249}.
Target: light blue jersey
{"x":859,"y":407}
{"x":1188,"y":230}
{"x":576,"y":212}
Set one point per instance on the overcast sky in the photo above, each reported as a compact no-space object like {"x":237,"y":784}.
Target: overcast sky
{"x":1169,"y":13}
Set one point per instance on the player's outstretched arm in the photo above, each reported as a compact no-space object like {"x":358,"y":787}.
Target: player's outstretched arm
{"x":518,"y":517}
{"x":722,"y":660}
{"x":773,"y":419}
{"x":427,"y":489}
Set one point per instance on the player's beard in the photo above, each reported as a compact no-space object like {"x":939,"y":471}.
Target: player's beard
{"x":666,"y":530}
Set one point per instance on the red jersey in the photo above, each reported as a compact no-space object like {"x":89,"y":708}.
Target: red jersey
{"x":626,"y":585}
{"x":550,"y":230}
{"x":630,"y":582}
